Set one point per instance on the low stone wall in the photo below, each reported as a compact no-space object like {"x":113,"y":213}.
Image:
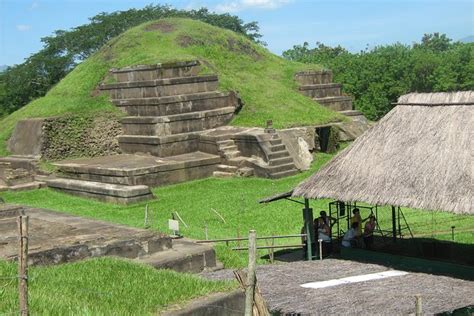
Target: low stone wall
{"x":67,"y":136}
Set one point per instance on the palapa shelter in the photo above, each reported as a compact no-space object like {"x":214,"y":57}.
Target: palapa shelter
{"x":419,"y":155}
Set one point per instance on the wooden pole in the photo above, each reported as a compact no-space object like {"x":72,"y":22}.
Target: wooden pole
{"x":308,"y":220}
{"x":146,"y":216}
{"x":206,"y":232}
{"x":22,"y":223}
{"x":394,"y":224}
{"x":250,"y":290}
{"x":419,"y":308}
{"x":320,"y":241}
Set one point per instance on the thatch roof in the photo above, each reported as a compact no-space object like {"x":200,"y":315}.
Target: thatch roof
{"x":420,"y":155}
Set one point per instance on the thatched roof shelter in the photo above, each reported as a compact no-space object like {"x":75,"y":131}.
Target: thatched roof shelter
{"x":420,"y":155}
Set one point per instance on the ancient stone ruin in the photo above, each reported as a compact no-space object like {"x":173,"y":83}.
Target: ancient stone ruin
{"x":175,"y":130}
{"x":61,"y":238}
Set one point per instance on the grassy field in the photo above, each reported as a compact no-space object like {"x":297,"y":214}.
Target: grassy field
{"x":102,"y":286}
{"x":236,"y":199}
{"x":264,"y":80}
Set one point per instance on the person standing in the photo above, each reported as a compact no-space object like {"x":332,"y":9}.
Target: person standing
{"x":369,"y":231}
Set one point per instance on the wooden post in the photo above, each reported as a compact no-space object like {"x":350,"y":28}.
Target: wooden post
{"x":206,"y":232}
{"x":320,"y":241}
{"x":394,"y":224}
{"x":22,"y":223}
{"x":308,"y":222}
{"x":146,"y":216}
{"x":250,"y":290}
{"x":419,"y":308}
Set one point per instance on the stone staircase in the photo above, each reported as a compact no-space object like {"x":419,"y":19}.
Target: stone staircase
{"x":280,"y":163}
{"x":318,"y":85}
{"x":168,"y":104}
{"x":273,"y":161}
{"x":168,"y":107}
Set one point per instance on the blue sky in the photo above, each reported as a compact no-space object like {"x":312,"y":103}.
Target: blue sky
{"x":353,"y":24}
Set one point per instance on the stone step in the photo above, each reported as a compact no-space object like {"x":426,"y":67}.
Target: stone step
{"x":277,"y":169}
{"x":228,"y":148}
{"x":177,"y":104}
{"x":106,"y":192}
{"x":28,"y":186}
{"x":184,"y":256}
{"x":176,"y":124}
{"x":232,"y":154}
{"x":157,"y":71}
{"x":340,"y":103}
{"x":321,"y":90}
{"x":161,"y":146}
{"x":278,"y":154}
{"x":24,"y":162}
{"x":222,"y":174}
{"x":284,"y":174}
{"x":226,"y":142}
{"x":275,"y":148}
{"x":161,"y":87}
{"x":141,"y":169}
{"x":14,"y":177}
{"x":227,"y":168}
{"x":351,"y":113}
{"x":313,"y":77}
{"x":276,"y":141}
{"x":280,"y":161}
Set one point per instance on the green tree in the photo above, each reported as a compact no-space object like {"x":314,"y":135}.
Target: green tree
{"x":63,"y":50}
{"x":377,"y":77}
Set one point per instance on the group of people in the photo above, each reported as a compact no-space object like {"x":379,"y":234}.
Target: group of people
{"x":322,"y":226}
{"x":352,"y":238}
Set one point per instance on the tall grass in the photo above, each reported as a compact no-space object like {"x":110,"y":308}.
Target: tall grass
{"x":104,"y":286}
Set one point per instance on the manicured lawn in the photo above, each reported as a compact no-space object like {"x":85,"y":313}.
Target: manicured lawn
{"x":236,"y":199}
{"x":104,"y":286}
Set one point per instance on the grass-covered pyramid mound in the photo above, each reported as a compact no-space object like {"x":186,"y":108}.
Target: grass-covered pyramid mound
{"x":264,"y":80}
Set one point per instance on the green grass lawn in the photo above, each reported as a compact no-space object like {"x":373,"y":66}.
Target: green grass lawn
{"x":103,"y":286}
{"x":236,"y":199}
{"x":264,"y":81}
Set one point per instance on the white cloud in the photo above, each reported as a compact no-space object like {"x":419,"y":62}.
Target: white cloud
{"x":241,"y":5}
{"x":23,"y":27}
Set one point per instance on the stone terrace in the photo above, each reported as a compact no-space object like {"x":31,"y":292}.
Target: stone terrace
{"x":175,"y":132}
{"x":56,"y":238}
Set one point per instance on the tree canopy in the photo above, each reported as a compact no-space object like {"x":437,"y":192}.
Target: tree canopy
{"x":377,"y":77}
{"x":63,"y":50}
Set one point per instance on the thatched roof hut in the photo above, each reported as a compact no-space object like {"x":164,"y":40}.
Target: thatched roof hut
{"x":420,"y":155}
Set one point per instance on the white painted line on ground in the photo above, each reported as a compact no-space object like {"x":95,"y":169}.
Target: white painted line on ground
{"x":354,"y":279}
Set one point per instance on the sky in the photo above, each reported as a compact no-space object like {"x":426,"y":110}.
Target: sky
{"x":353,"y":24}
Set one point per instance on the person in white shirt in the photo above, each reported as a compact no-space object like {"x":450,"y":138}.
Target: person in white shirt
{"x":351,"y":235}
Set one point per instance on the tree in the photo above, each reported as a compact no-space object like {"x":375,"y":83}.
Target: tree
{"x":377,"y":77}
{"x":63,"y":50}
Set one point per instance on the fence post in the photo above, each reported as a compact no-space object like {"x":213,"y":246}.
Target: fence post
{"x":22,"y":223}
{"x":146,"y":216}
{"x":419,"y":308}
{"x":320,"y":241}
{"x":250,"y":290}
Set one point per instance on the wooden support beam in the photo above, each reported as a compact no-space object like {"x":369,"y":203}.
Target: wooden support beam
{"x":394,"y":224}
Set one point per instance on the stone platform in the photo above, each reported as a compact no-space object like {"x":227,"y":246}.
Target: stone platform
{"x":56,"y":238}
{"x":318,"y":85}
